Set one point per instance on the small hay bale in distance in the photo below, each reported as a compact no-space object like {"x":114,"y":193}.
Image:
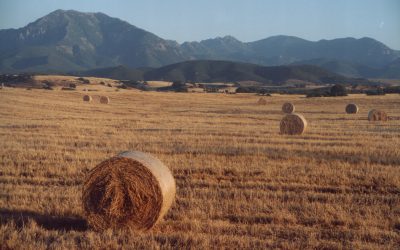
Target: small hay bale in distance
{"x":131,"y":190}
{"x":293,"y":124}
{"x":87,"y":98}
{"x":262,"y":101}
{"x":377,"y":115}
{"x":104,"y":100}
{"x":288,"y":108}
{"x":351,"y":108}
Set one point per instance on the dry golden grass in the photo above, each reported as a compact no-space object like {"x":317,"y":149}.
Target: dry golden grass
{"x":240,"y":184}
{"x":158,"y":84}
{"x":60,"y":81}
{"x":196,"y":90}
{"x":71,"y":79}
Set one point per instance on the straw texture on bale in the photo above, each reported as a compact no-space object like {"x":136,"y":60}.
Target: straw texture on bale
{"x":132,"y":189}
{"x":87,"y":98}
{"x":104,"y":99}
{"x":351,"y":108}
{"x":288,"y":108}
{"x":377,"y":115}
{"x":262,"y":101}
{"x":293,"y":124}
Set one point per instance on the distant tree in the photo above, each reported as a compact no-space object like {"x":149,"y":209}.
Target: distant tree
{"x":179,"y":86}
{"x":249,"y":89}
{"x":263,"y":92}
{"x":72,"y":85}
{"x":338,"y":90}
{"x":392,"y":90}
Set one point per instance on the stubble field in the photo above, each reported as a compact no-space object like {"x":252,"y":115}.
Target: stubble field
{"x":240,"y":184}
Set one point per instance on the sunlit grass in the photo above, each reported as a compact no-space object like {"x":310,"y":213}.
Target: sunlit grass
{"x":240,"y":184}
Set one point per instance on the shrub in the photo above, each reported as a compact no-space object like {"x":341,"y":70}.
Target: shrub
{"x":45,"y":86}
{"x":314,"y":94}
{"x":264,"y":92}
{"x":375,"y":92}
{"x":67,"y":88}
{"x":83,"y":80}
{"x":392,"y":90}
{"x":48,"y":83}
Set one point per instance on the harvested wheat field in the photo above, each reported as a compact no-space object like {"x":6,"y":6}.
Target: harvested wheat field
{"x":239,"y":182}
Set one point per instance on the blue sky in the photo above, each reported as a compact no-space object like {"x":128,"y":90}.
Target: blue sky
{"x":186,"y":20}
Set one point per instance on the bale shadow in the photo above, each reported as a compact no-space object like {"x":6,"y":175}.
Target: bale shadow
{"x":49,"y":222}
{"x":394,"y":118}
{"x":320,"y":112}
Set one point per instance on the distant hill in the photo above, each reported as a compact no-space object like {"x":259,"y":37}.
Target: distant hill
{"x":224,"y":71}
{"x":119,"y":73}
{"x":65,"y":41}
{"x":390,"y":70}
{"x":344,"y":68}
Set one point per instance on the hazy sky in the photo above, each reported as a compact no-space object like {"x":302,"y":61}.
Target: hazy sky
{"x":190,"y":20}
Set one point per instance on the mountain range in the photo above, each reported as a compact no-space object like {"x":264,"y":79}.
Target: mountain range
{"x":68,"y":40}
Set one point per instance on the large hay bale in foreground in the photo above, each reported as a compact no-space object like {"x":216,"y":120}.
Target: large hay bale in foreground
{"x":133,"y":190}
{"x":262,"y":101}
{"x":87,"y":98}
{"x":288,"y":108}
{"x":104,"y":99}
{"x":377,"y":115}
{"x":293,"y":124}
{"x":351,"y":108}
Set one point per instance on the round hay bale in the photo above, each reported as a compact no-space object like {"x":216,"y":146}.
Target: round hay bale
{"x":262,"y":101}
{"x":132,"y":189}
{"x":293,"y":124}
{"x":104,"y":99}
{"x":377,"y":115}
{"x":351,"y":108}
{"x":87,"y":98}
{"x":288,"y":108}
